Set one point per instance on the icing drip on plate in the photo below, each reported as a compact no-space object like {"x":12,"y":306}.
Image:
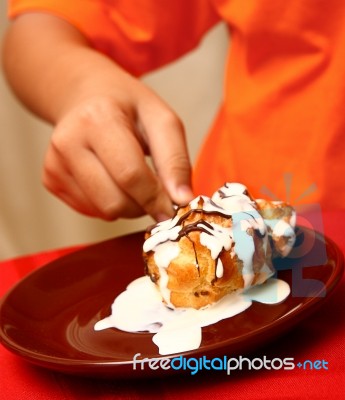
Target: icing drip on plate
{"x":140,"y":308}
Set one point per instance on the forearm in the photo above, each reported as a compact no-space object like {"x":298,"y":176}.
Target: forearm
{"x":53,"y":71}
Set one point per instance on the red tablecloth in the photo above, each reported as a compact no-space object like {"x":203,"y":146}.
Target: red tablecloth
{"x":320,"y":337}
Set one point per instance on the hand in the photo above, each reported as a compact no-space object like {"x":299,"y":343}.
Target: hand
{"x":105,"y":121}
{"x":96,"y":158}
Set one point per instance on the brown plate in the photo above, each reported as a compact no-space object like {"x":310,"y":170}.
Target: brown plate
{"x":48,"y":317}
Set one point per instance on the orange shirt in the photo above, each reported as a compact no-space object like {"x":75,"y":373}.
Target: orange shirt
{"x":281,"y":127}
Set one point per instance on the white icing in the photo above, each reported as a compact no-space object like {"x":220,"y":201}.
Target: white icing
{"x":140,"y":308}
{"x":219,"y":269}
{"x":165,"y":253}
{"x":216,"y":239}
{"x":234,"y":188}
{"x":293,"y":219}
{"x":244,"y":248}
{"x":163,"y":256}
{"x":231,"y":200}
{"x":194,"y":203}
{"x":161,"y":235}
{"x":245,"y":217}
{"x":281,"y":228}
{"x":163,"y":285}
{"x":273,"y":291}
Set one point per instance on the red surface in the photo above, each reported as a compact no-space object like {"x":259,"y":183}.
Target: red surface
{"x":320,"y":337}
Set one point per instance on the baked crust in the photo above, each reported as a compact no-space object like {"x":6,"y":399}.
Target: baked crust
{"x":193,"y":280}
{"x":280,"y":218}
{"x":195,"y":277}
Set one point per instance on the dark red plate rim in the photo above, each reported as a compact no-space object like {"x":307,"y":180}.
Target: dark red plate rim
{"x":47,"y":318}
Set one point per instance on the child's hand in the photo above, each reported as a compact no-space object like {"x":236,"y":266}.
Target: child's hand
{"x":96,"y":158}
{"x":105,"y":122}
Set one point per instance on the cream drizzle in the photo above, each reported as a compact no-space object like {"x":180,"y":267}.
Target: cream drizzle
{"x":140,"y":308}
{"x":232,"y":201}
{"x":279,"y":228}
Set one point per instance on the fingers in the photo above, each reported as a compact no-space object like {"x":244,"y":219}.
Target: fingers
{"x":124,"y":160}
{"x":166,"y":139}
{"x":57,"y":179}
{"x":86,"y":186}
{"x":96,"y":161}
{"x":99,"y":168}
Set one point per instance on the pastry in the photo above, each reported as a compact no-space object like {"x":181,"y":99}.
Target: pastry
{"x":280,"y":219}
{"x":214,"y":246}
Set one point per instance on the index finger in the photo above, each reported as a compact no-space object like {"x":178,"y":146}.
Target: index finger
{"x":124,"y":160}
{"x":166,"y":139}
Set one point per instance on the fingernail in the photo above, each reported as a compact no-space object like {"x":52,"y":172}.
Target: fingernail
{"x":185,"y":194}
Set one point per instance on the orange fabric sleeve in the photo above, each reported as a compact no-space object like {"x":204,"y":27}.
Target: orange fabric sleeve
{"x":281,"y":128}
{"x":141,"y":35}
